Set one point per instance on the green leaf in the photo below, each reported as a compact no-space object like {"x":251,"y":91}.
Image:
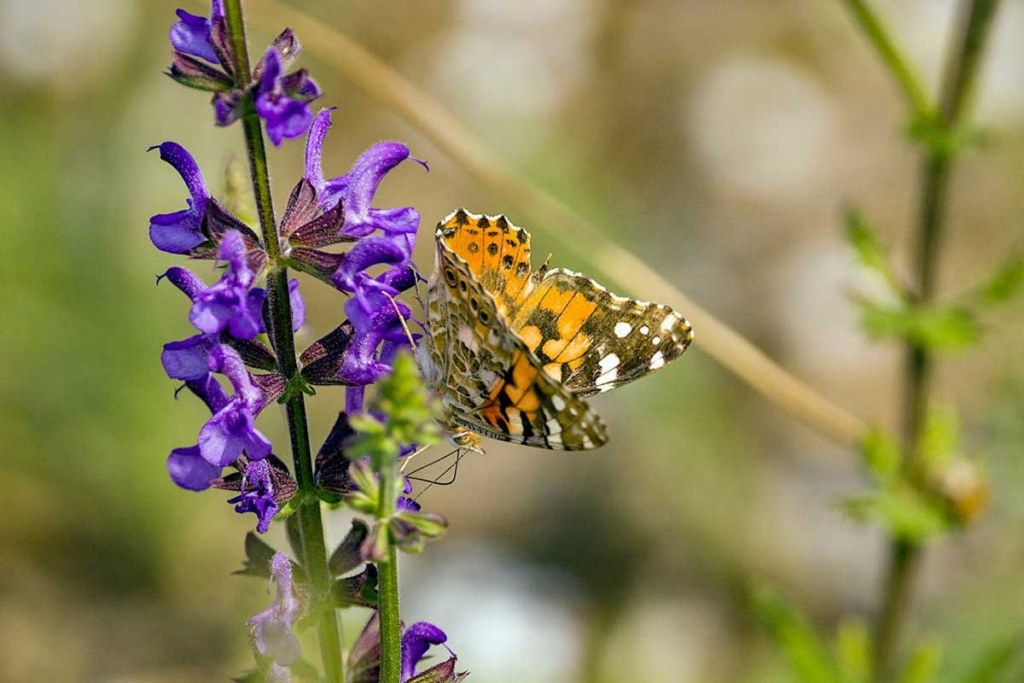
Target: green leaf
{"x":808,"y":657}
{"x":923,"y":664}
{"x":996,"y":662}
{"x":429,"y":524}
{"x":1004,"y":283}
{"x":934,"y":327}
{"x":882,"y":454}
{"x":902,"y":511}
{"x":853,"y":651}
{"x":871,"y":254}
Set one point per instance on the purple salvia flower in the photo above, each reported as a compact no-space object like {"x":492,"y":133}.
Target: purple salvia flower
{"x":416,"y":640}
{"x":186,"y":466}
{"x":357,"y":187}
{"x":231,"y":430}
{"x":273,"y":626}
{"x":226,"y":305}
{"x":283,"y":101}
{"x":180,"y":232}
{"x":191,"y":35}
{"x":257,"y":494}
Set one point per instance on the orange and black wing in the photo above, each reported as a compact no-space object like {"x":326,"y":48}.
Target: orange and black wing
{"x":493,"y":383}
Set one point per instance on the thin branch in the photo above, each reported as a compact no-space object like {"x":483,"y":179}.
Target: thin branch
{"x":898,"y":66}
{"x":464,"y":147}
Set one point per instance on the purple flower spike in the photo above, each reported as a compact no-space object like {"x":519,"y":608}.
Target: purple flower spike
{"x":416,"y":640}
{"x":180,"y":232}
{"x":226,"y":305}
{"x":283,"y":101}
{"x":189,"y":470}
{"x":257,"y":494}
{"x":191,"y":35}
{"x":273,"y":626}
{"x":231,"y":430}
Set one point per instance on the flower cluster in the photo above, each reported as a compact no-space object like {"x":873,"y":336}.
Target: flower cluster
{"x":204,"y":59}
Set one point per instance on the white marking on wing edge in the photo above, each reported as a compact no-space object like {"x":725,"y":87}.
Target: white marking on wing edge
{"x":622,"y":329}
{"x":609,"y":373}
{"x":558,"y":402}
{"x":668,"y":323}
{"x":657,"y":360}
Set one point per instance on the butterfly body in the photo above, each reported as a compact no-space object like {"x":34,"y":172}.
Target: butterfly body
{"x":513,"y":352}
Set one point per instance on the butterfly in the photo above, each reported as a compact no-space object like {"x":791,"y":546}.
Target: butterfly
{"x":514,"y":352}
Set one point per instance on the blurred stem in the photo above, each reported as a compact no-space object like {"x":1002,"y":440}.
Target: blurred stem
{"x":466,"y":149}
{"x":960,"y":77}
{"x":894,"y":60}
{"x":313,"y":548}
{"x":387,"y":603}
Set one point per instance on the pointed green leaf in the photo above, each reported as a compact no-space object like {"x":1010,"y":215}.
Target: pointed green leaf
{"x":881,"y":453}
{"x":808,"y":657}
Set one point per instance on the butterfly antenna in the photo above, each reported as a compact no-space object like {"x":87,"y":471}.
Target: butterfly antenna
{"x":430,"y":464}
{"x":453,"y":468}
{"x":409,"y":459}
{"x":408,"y":333}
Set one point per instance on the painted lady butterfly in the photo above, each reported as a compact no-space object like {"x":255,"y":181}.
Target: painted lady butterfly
{"x":514,"y":352}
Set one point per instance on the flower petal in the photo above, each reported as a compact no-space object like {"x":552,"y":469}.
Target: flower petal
{"x":416,"y":640}
{"x":189,"y":470}
{"x":191,"y":35}
{"x":187,"y":359}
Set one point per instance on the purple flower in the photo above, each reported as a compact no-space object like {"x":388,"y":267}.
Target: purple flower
{"x":283,"y":101}
{"x":416,"y":640}
{"x":273,"y":626}
{"x":191,"y":35}
{"x":364,"y":658}
{"x":231,"y":430}
{"x":227,"y":304}
{"x":357,"y":187}
{"x":188,"y":359}
{"x":257,"y":494}
{"x":189,"y":470}
{"x":181,"y":231}
{"x":186,"y":466}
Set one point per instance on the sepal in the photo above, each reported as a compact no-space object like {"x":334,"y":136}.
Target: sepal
{"x":359,"y":590}
{"x":194,"y":73}
{"x":346,"y":556}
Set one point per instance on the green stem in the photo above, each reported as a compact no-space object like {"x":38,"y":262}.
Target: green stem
{"x":387,"y":603}
{"x":314,"y":551}
{"x":894,"y":60}
{"x":961,"y":73}
{"x":390,"y":622}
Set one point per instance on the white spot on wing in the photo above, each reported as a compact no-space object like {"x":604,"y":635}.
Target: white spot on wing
{"x":656,"y":341}
{"x":558,"y":402}
{"x":668,"y":323}
{"x":644,"y":330}
{"x":657,"y":360}
{"x":608,"y":367}
{"x":622,"y":329}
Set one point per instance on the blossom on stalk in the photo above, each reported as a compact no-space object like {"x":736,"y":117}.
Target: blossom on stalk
{"x":272,"y":628}
{"x":181,"y":231}
{"x":203,"y":59}
{"x":364,"y":659}
{"x":227,"y":305}
{"x":231,"y":430}
{"x":375,"y":316}
{"x":257,"y":494}
{"x":186,"y":466}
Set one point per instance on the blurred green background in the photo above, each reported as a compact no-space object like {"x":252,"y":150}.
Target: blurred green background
{"x":720,"y":141}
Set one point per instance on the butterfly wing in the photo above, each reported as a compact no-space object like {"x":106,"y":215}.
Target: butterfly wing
{"x":591,"y":340}
{"x":491,"y":382}
{"x":586,"y":338}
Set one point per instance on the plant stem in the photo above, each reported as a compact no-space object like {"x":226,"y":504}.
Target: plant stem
{"x":282,"y":338}
{"x":387,"y":602}
{"x":887,"y":50}
{"x":904,"y":556}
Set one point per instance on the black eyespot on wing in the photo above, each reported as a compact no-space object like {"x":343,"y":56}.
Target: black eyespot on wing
{"x":485,"y":317}
{"x":507,"y":261}
{"x":450,"y":277}
{"x":492,"y":248}
{"x":473,"y":247}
